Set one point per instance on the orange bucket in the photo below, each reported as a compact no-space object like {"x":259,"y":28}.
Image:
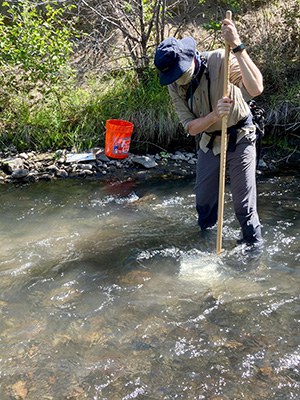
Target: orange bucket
{"x":117,"y":138}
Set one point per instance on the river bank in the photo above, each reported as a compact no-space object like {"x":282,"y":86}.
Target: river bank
{"x":30,"y":167}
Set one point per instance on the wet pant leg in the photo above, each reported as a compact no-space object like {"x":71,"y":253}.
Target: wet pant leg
{"x":206,"y":188}
{"x":242,"y":170}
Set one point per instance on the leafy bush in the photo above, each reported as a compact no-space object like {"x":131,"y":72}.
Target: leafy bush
{"x":35,"y":49}
{"x":35,"y":46}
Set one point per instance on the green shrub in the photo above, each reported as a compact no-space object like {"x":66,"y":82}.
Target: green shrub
{"x":35,"y":44}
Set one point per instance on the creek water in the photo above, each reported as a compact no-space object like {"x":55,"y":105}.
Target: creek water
{"x":109,"y":291}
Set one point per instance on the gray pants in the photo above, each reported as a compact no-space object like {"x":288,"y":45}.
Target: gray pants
{"x":241,"y":165}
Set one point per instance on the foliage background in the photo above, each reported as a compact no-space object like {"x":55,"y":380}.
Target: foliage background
{"x":67,"y":68}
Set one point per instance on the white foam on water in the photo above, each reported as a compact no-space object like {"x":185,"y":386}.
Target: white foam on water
{"x":210,"y":270}
{"x":171,"y":202}
{"x":167,"y":252}
{"x":290,"y":361}
{"x":201,"y":266}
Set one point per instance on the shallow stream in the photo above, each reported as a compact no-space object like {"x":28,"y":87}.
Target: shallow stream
{"x":109,"y":291}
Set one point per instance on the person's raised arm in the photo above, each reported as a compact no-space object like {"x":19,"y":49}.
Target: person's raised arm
{"x":251,"y":75}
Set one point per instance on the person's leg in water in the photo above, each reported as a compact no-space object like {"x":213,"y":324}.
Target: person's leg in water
{"x":206,"y":188}
{"x":242,"y":171}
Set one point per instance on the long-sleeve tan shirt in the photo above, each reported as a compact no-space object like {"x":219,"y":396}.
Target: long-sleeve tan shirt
{"x":200,"y":100}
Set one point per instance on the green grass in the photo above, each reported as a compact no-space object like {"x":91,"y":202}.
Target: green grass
{"x":78,"y":119}
{"x":73,"y":116}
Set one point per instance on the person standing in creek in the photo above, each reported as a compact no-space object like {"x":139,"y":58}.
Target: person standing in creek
{"x":195,"y":84}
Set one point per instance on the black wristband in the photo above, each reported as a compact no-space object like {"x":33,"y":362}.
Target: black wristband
{"x":238,"y":48}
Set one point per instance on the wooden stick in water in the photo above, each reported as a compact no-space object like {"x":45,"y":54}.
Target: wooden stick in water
{"x":223,"y":150}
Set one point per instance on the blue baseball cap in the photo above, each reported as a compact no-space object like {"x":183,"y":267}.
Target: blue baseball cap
{"x":173,"y":57}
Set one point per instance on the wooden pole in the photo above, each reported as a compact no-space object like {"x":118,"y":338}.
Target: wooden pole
{"x":223,"y":150}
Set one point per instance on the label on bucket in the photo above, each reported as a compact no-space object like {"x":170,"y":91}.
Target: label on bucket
{"x":121,"y":146}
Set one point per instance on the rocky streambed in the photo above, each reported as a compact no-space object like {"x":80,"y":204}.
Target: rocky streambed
{"x":33,"y":166}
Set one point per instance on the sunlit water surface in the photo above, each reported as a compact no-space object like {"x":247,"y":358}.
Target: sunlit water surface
{"x":109,"y":291}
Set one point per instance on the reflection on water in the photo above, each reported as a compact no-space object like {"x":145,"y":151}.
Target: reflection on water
{"x":111,"y":292}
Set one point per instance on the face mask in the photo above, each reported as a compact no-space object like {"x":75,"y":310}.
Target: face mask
{"x":187,"y":76}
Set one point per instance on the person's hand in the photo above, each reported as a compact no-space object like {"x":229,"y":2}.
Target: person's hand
{"x":230,"y":33}
{"x":223,"y":107}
